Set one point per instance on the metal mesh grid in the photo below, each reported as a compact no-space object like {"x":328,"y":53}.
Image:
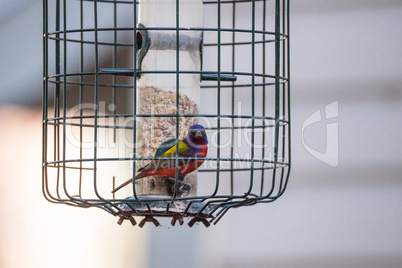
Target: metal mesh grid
{"x":89,"y":75}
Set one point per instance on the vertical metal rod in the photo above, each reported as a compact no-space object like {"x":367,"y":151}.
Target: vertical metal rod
{"x":252,"y":98}
{"x":81,"y":91}
{"x":135,"y":99}
{"x":286,"y":101}
{"x":64,"y":95}
{"x":96,"y":96}
{"x":263,"y":93}
{"x":233,"y":98}
{"x":218,"y":109}
{"x":96,"y":112}
{"x":56,"y":141}
{"x":218,"y":136}
{"x":64,"y":138}
{"x":177,"y":96}
{"x":288,"y":93}
{"x":114,"y":99}
{"x":114,"y":185}
{"x":283,"y":94}
{"x":45,"y":98}
{"x":288,"y":66}
{"x":277,"y":89}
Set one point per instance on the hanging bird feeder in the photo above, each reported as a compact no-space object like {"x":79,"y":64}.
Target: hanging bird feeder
{"x":166,"y":108}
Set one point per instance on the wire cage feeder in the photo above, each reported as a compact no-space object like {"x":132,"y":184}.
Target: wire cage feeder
{"x":125,"y":80}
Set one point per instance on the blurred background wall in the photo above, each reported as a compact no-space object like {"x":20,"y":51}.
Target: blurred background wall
{"x":347,"y":52}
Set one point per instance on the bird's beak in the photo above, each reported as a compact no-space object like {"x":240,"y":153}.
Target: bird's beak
{"x":198,"y":134}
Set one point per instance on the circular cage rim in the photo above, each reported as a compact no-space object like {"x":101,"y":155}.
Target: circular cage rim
{"x":253,"y":32}
{"x":205,"y":2}
{"x":60,"y":122}
{"x":234,"y":85}
{"x":120,"y":44}
{"x":280,"y":122}
{"x":277,"y":164}
{"x":253,"y":75}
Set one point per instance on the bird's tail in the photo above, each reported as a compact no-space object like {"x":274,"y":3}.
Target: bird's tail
{"x":127,"y":182}
{"x":141,"y":175}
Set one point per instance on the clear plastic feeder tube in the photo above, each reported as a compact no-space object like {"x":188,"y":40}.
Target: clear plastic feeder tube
{"x":157,"y":92}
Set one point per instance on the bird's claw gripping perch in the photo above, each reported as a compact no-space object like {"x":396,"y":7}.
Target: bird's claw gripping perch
{"x":181,"y":186}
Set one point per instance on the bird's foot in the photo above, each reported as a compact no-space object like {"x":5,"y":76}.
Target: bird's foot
{"x":182,"y":188}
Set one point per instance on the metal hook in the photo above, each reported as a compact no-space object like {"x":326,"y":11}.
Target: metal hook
{"x":143,"y":41}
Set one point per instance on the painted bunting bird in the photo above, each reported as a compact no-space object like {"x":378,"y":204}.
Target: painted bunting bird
{"x":194,"y":145}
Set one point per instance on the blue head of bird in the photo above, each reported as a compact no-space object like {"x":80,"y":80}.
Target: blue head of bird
{"x":196,"y":136}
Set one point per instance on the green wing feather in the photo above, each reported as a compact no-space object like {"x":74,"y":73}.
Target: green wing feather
{"x":172,"y":151}
{"x":168,"y":149}
{"x":165,"y":146}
